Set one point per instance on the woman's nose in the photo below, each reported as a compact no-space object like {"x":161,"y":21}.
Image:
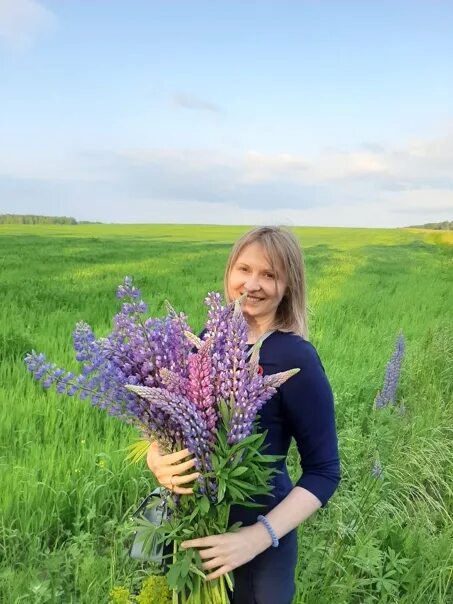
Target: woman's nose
{"x":252,"y":284}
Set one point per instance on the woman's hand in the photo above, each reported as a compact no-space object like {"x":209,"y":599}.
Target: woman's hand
{"x":230,"y":550}
{"x":168,"y":471}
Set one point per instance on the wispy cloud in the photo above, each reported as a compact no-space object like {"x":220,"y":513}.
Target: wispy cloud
{"x":22,"y":22}
{"x":187,"y":101}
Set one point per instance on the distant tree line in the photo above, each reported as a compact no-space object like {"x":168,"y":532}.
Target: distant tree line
{"x":35,"y":219}
{"x":446,"y":225}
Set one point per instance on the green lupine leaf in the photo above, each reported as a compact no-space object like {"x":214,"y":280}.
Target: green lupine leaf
{"x":246,"y":486}
{"x":185,"y":564}
{"x":251,"y":504}
{"x":173,"y":575}
{"x":221,"y":437}
{"x":238,"y":446}
{"x":204,"y":504}
{"x":197,"y":571}
{"x":221,"y":491}
{"x":236,"y":493}
{"x":225,"y":413}
{"x":264,"y":491}
{"x":239,"y":471}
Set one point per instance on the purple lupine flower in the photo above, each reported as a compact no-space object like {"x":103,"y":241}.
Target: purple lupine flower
{"x":235,"y":381}
{"x":227,"y":329}
{"x":107,"y":393}
{"x":259,"y":390}
{"x":182,"y":411}
{"x":174,"y":382}
{"x":185,"y":413}
{"x":236,"y":360}
{"x":392,"y":375}
{"x":200,"y":388}
{"x":246,"y":392}
{"x":217,"y":331}
{"x":127,"y":290}
{"x":84,"y":342}
{"x":134,"y":353}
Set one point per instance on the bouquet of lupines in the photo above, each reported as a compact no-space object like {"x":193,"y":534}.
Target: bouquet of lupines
{"x":185,"y":392}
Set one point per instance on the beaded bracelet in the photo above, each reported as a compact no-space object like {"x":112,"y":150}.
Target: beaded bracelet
{"x":270,"y":530}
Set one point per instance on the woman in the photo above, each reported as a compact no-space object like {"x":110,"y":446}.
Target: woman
{"x":266,"y":264}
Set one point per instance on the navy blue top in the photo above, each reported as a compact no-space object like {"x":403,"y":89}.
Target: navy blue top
{"x":302,"y":408}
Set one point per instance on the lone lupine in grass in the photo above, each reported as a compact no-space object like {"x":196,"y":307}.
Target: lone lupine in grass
{"x":376,"y":470}
{"x":387,"y":395}
{"x":202,"y":394}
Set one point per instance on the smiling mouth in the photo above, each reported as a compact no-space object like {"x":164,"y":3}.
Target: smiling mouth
{"x":254,"y":298}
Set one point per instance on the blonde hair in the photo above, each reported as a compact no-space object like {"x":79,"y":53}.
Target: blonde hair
{"x":281,"y":247}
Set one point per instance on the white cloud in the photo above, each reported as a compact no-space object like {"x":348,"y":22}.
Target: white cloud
{"x":261,"y":167}
{"x":367,"y":186}
{"x":434,"y":201}
{"x":22,"y":22}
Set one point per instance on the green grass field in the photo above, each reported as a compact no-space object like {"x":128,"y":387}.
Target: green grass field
{"x":65,"y":491}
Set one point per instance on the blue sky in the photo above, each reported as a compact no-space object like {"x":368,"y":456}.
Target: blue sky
{"x":301,"y":113}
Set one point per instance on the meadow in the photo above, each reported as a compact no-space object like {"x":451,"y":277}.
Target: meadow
{"x":66,"y":493}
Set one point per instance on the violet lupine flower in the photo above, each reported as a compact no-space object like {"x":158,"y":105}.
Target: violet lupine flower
{"x":238,"y":382}
{"x":185,"y":413}
{"x":233,"y":374}
{"x":176,"y":346}
{"x":85,"y":384}
{"x":106,"y":392}
{"x":85,"y":343}
{"x":135,"y":352}
{"x":141,"y":348}
{"x":217,"y":331}
{"x":392,"y":375}
{"x":232,"y":367}
{"x":174,"y":382}
{"x":259,"y":390}
{"x":127,"y":290}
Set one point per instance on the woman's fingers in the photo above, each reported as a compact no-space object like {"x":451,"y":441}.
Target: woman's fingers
{"x":214,"y":563}
{"x":183,"y":467}
{"x":176,"y":480}
{"x":209,"y":553}
{"x":223,"y":570}
{"x":169,"y":475}
{"x":174,"y":457}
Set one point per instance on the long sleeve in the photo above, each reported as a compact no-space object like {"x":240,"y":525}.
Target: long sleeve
{"x":309,"y":409}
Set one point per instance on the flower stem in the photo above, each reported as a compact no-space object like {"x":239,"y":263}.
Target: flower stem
{"x":175,"y":593}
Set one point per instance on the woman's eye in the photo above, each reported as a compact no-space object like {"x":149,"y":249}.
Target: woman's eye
{"x":269,"y":275}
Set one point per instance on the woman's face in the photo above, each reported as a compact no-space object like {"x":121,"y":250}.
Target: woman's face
{"x":252,"y":273}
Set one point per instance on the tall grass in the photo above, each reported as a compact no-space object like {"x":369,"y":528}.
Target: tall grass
{"x":66,"y":493}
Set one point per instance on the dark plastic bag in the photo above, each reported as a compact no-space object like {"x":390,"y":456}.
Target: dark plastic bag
{"x":155,"y":510}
